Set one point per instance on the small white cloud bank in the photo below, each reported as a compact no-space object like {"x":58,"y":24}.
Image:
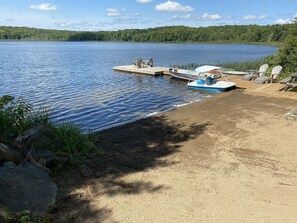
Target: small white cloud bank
{"x":181,"y":17}
{"x":282,"y":21}
{"x":207,"y":16}
{"x":44,"y":7}
{"x":173,"y":7}
{"x":113,"y":12}
{"x":253,"y":17}
{"x":80,"y":25}
{"x":143,"y":1}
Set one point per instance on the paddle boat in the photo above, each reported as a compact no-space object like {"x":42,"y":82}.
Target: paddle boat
{"x":210,"y":84}
{"x":197,"y":74}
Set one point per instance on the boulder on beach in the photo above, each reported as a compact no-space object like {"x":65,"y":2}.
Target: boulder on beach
{"x":26,"y":187}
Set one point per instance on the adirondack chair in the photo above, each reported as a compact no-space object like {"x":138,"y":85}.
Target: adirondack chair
{"x":254,"y":74}
{"x":262,"y":70}
{"x":274,"y":75}
{"x":291,"y":83}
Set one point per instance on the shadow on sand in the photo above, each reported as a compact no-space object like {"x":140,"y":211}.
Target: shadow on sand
{"x":131,"y":148}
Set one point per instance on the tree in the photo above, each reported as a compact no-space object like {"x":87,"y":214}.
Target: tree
{"x":287,"y":54}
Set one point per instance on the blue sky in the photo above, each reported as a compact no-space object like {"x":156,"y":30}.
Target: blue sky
{"x":95,"y":15}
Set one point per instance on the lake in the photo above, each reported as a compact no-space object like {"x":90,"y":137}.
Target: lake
{"x":75,"y":80}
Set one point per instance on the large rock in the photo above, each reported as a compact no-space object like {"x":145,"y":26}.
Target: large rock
{"x":9,"y":154}
{"x":30,"y":134}
{"x":26,"y":187}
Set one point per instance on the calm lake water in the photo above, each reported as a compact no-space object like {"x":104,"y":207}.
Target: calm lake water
{"x":76,"y":82}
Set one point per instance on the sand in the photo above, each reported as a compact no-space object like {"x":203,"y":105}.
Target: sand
{"x":229,"y":158}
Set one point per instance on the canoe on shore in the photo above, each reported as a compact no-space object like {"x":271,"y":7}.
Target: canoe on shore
{"x":235,"y":72}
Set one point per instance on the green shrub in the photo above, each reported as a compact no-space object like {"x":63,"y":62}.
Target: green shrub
{"x":23,"y":217}
{"x":17,"y":115}
{"x":287,"y":55}
{"x":13,"y":115}
{"x":66,"y":140}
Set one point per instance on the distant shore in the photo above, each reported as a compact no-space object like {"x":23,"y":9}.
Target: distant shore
{"x":238,"y":34}
{"x":229,"y":158}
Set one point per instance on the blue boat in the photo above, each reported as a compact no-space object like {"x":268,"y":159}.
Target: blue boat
{"x":210,"y":84}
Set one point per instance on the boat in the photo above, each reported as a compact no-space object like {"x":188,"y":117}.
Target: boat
{"x":235,"y":72}
{"x":197,"y":74}
{"x":210,"y":84}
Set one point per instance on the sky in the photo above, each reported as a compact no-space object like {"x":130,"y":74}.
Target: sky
{"x":107,"y":15}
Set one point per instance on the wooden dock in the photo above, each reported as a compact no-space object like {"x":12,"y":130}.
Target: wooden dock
{"x":250,"y":87}
{"x":269,"y":90}
{"x":154,"y":71}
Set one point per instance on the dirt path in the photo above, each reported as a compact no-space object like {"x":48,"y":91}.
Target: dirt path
{"x":230,"y":158}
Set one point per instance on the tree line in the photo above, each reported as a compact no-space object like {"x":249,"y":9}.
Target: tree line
{"x":175,"y":34}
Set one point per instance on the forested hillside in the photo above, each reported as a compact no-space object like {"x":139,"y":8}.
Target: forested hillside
{"x":219,"y":34}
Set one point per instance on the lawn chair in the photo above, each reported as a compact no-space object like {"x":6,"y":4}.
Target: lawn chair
{"x":149,"y":62}
{"x":274,"y":75}
{"x":138,"y":63}
{"x":254,"y":74}
{"x":291,"y":83}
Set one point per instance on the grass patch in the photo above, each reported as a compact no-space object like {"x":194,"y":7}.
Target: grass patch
{"x":65,"y":140}
{"x":68,"y":140}
{"x":252,"y":64}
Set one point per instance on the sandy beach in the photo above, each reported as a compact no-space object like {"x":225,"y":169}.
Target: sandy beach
{"x":228,"y":158}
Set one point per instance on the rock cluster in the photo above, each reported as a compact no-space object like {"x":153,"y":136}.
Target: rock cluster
{"x":25,"y":181}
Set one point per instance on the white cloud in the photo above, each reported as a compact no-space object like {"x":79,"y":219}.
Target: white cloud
{"x":283,"y":21}
{"x":253,"y":17}
{"x":80,"y":25}
{"x":286,"y":21}
{"x":173,"y":6}
{"x":125,"y":21}
{"x":207,"y":16}
{"x":44,"y":7}
{"x":135,"y":13}
{"x":121,"y":13}
{"x":113,"y":12}
{"x":180,"y":17}
{"x":249,"y":17}
{"x":143,"y":1}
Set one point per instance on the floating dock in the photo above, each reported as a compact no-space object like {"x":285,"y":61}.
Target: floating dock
{"x":153,"y":71}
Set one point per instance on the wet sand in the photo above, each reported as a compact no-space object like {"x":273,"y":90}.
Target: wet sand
{"x":229,"y":158}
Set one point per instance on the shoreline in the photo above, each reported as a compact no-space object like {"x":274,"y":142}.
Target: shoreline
{"x":152,"y":114}
{"x":271,"y":44}
{"x":228,"y":158}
